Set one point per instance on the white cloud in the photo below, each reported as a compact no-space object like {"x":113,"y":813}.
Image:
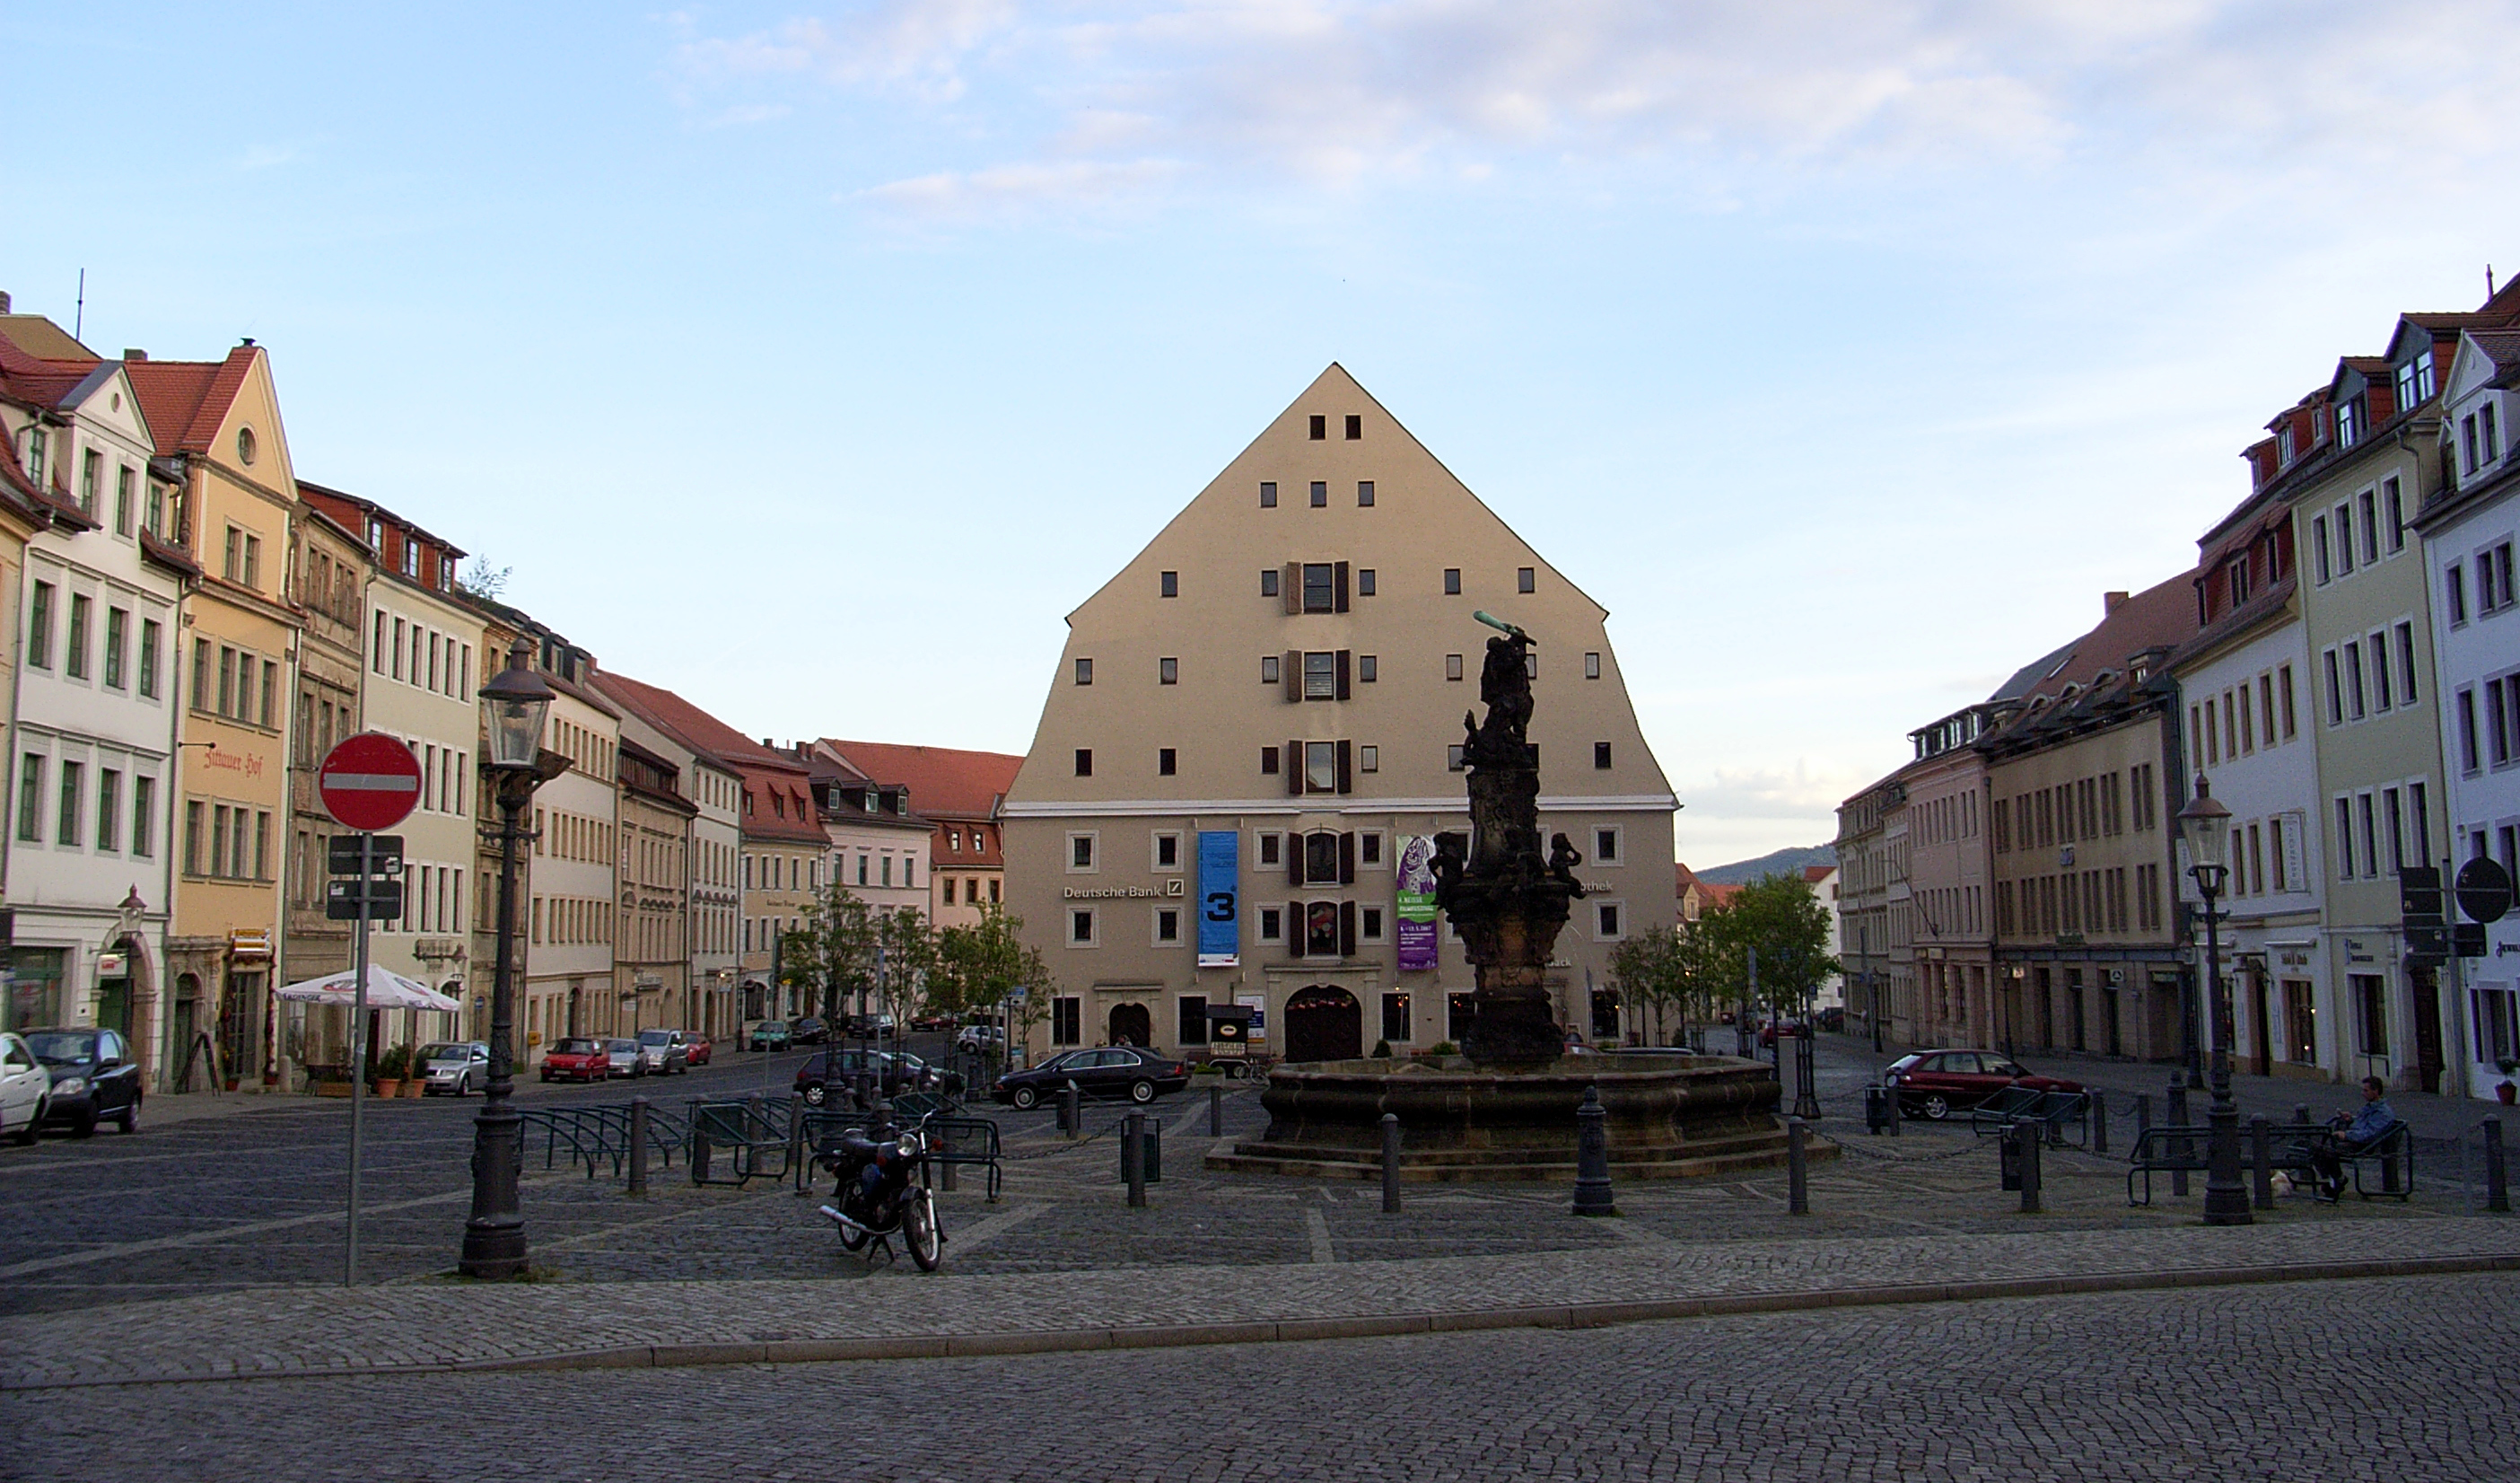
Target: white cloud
{"x":1005,"y":191}
{"x":1345,"y":91}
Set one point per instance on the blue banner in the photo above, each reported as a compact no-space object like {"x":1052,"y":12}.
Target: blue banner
{"x":1220,"y":899}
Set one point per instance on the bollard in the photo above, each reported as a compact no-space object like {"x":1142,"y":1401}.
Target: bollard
{"x":2497,"y":1182}
{"x":2173,"y":1107}
{"x":1133,"y":1158}
{"x":2261,"y":1159}
{"x":1897,"y":1117}
{"x":1797,"y":1167}
{"x":2099,"y":1115}
{"x":2301,"y":1115}
{"x":638,"y":1147}
{"x":1593,"y":1157}
{"x":2026,"y":1133}
{"x":1071,"y":1110}
{"x":700,"y":1159}
{"x":1391,"y":1163}
{"x":1216,"y":1109}
{"x":803,"y":1176}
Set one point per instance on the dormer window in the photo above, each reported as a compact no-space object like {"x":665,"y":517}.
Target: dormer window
{"x":2283,"y":443}
{"x":2415,"y":380}
{"x":2348,"y":424}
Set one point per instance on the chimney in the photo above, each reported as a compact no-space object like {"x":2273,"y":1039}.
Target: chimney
{"x":2110,"y":601}
{"x":130,"y":354}
{"x":4,"y":303}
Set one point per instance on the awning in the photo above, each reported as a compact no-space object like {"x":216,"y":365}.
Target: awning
{"x":387,"y":990}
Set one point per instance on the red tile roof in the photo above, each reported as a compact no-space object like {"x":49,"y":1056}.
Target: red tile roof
{"x":777,"y":804}
{"x":944,"y":782}
{"x":186,"y":400}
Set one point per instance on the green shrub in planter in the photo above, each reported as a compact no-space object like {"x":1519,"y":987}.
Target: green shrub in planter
{"x":1382,"y":1050}
{"x":1443,"y":1048}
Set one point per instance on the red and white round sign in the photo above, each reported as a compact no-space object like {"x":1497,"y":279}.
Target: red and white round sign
{"x":369,"y":781}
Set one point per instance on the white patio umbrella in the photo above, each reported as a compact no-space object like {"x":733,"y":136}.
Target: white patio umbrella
{"x":387,"y":990}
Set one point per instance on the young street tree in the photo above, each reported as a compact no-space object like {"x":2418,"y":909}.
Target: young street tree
{"x":1782,"y":919}
{"x":977,"y":965}
{"x":1672,"y":969}
{"x":857,"y":956}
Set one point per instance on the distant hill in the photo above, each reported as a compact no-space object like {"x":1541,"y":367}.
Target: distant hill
{"x":1787,"y":861}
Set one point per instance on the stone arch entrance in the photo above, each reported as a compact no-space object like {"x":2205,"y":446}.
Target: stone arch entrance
{"x":1131,"y":1025}
{"x":1324,"y":1022}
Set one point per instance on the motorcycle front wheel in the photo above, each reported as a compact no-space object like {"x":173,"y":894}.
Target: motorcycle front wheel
{"x":919,"y":1231}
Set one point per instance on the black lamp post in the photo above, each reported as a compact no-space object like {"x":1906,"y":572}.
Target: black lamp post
{"x":2206,"y":825}
{"x":515,"y":700}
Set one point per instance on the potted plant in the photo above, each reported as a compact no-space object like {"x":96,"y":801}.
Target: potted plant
{"x":2507,"y":1090}
{"x":390,"y":1068}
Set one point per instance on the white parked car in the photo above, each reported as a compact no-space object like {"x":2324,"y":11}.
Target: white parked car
{"x":25,"y":1087}
{"x":980,"y":1039}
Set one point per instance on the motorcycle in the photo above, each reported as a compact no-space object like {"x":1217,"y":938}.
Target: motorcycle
{"x":881,"y":1190}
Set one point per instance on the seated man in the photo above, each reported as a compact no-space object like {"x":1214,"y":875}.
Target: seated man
{"x":2327,"y":1154}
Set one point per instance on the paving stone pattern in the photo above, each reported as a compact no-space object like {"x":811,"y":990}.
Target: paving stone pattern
{"x":2247,"y":1383}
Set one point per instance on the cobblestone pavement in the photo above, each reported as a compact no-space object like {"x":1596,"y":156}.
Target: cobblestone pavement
{"x":2376,"y":1381}
{"x":246,"y":1201}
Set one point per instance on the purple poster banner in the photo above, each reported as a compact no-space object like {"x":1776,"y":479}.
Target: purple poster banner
{"x":1415,"y":906}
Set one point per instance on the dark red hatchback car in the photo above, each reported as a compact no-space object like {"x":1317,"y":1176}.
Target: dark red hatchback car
{"x":1936,"y":1084}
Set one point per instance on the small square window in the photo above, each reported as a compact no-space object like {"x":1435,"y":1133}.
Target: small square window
{"x":1365,"y":494}
{"x":1165,"y":761}
{"x":1452,"y":666}
{"x":1167,"y":924}
{"x":1167,"y":851}
{"x":1321,"y":427}
{"x":1168,"y":672}
{"x":1084,"y":671}
{"x":1369,"y":760}
{"x":1080,"y":852}
{"x":1272,"y":924}
{"x":1606,"y":915}
{"x":1320,"y":495}
{"x":1354,"y":426}
{"x":1084,"y":762}
{"x":1268,"y":494}
{"x":1591,"y":666}
{"x":1269,"y":761}
{"x":1370,"y":924}
{"x":1269,"y":850}
{"x":1523,"y":579}
{"x":1452,"y":758}
{"x":1268,"y":669}
{"x":1172,"y":584}
{"x":1452,"y":581}
{"x":1365,"y":582}
{"x":1080,"y":928}
{"x":1268,"y":581}
{"x":1602,"y":754}
{"x":1368,"y":844}
{"x":1366,"y":669}
{"x":1606,"y":846}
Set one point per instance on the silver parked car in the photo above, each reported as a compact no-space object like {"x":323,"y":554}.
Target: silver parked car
{"x":669,"y":1052}
{"x":627,"y":1057}
{"x":455,"y":1067}
{"x":25,"y":1083}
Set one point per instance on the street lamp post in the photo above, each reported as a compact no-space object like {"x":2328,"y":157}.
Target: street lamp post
{"x":2206,"y":825}
{"x":516,"y":702}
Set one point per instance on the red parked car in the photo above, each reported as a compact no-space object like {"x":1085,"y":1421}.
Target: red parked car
{"x":696,"y":1054}
{"x":576,"y":1060}
{"x":1935,"y":1084}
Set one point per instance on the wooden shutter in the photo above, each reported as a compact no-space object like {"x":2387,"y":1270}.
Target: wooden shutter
{"x":1338,"y":589}
{"x":1295,"y":929}
{"x":1343,"y":673}
{"x":1291,"y":586}
{"x":1347,"y":930}
{"x":1344,"y":752}
{"x":1290,"y":674}
{"x":1296,"y":767}
{"x":1294,"y":860}
{"x":1347,"y":859}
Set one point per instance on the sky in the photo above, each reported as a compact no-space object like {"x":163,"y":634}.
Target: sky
{"x":814,"y":360}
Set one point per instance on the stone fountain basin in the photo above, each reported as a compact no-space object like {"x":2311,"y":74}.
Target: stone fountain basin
{"x":1666,"y":1115}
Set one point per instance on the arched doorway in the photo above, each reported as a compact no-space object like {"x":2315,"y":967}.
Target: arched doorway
{"x":1325,"y":1023}
{"x":1131,"y":1025}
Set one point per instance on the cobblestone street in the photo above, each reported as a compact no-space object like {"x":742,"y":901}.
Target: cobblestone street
{"x":2375,"y":1380}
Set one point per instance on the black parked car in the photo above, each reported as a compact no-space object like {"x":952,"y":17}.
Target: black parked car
{"x":1130,"y":1071}
{"x":808,"y":1030}
{"x":94,"y":1078}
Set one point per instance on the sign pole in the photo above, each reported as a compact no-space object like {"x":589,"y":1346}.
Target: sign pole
{"x":358,"y":1059}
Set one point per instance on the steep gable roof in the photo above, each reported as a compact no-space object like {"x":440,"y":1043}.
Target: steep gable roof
{"x":186,"y":400}
{"x":37,"y":335}
{"x":690,"y":725}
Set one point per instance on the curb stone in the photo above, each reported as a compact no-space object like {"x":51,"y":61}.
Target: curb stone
{"x":1366,"y":1326}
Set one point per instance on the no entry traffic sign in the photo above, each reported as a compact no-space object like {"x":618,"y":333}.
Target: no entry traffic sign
{"x":369,"y":781}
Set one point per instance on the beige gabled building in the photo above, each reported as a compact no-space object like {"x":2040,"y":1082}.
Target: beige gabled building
{"x":1257,"y":717}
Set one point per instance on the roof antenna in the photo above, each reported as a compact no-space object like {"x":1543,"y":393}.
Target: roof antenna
{"x":78,"y":321}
